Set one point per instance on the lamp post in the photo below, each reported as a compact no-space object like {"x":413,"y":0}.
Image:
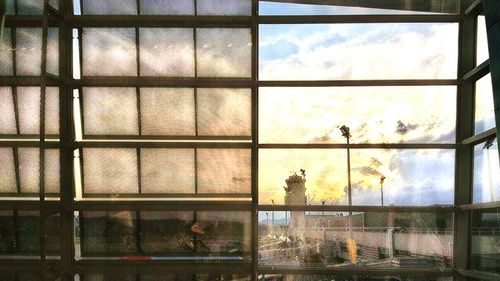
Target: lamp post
{"x":382,"y":178}
{"x":351,"y":243}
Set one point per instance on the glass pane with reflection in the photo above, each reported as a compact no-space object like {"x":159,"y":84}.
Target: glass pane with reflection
{"x":486,"y":179}
{"x":482,"y":41}
{"x":484,"y":106}
{"x":167,"y":7}
{"x":374,"y":114}
{"x":381,"y":240}
{"x":6,"y":53}
{"x":109,"y":7}
{"x":224,"y":7}
{"x":358,"y":51}
{"x":485,"y":241}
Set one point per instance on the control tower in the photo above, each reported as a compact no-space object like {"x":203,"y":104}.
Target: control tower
{"x":296,"y":195}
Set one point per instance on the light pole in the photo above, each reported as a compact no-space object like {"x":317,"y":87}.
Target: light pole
{"x":382,"y":178}
{"x":351,"y":243}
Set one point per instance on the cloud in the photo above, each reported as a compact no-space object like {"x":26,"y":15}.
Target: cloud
{"x":403,"y":129}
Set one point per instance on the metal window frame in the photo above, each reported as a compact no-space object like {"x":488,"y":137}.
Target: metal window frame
{"x":66,"y":205}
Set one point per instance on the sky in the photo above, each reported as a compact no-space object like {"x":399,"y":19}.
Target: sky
{"x":424,"y":114}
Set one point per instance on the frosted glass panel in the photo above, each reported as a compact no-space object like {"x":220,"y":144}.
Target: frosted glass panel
{"x":29,"y":51}
{"x":28,"y":99}
{"x":224,"y":112}
{"x":167,"y":111}
{"x":167,"y":7}
{"x":224,"y":170}
{"x":109,"y":7}
{"x":109,"y":52}
{"x":224,"y":52}
{"x":167,"y":171}
{"x":29,"y":167}
{"x":52,"y":171}
{"x":167,"y":52}
{"x":224,"y":7}
{"x":6,"y":51}
{"x":7,"y":116}
{"x":7,"y":170}
{"x":110,"y":111}
{"x":110,"y":171}
{"x":30,"y":7}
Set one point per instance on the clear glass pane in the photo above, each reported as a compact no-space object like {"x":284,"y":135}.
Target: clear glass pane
{"x":380,"y":7}
{"x":7,"y":118}
{"x":224,"y":112}
{"x":389,"y":114}
{"x":224,"y":7}
{"x":108,"y":233}
{"x":53,"y":51}
{"x":319,"y":176}
{"x":358,"y":51}
{"x":223,"y":52}
{"x":485,"y":241}
{"x":7,"y":171}
{"x":6,"y":53}
{"x":167,"y":52}
{"x":9,"y":5}
{"x":482,"y":41}
{"x":282,"y":182}
{"x":223,"y":170}
{"x":486,"y":183}
{"x":411,"y":177}
{"x":167,"y":171}
{"x":110,"y":171}
{"x":114,"y":46}
{"x":167,"y":7}
{"x":485,"y":109}
{"x":381,"y":240}
{"x":29,"y":169}
{"x":110,"y":111}
{"x":109,"y":7}
{"x":167,"y":111}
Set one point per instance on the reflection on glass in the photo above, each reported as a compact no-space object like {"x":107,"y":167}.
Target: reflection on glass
{"x":358,"y":51}
{"x":114,"y":46}
{"x":319,"y":176}
{"x":485,"y":243}
{"x":486,"y":180}
{"x":482,"y":41}
{"x":325,"y":239}
{"x":374,"y":114}
{"x":166,"y":52}
{"x":484,"y":111}
{"x":19,"y":234}
{"x":8,"y":117}
{"x":350,"y":277}
{"x":223,"y":52}
{"x":380,"y":7}
{"x":165,"y":235}
{"x":110,"y":111}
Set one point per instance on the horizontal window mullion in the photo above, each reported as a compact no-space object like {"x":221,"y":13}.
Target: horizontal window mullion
{"x":360,"y":208}
{"x":358,"y":146}
{"x":134,"y":81}
{"x":481,"y":137}
{"x":29,"y":81}
{"x":158,"y":21}
{"x":480,"y":206}
{"x":29,"y":143}
{"x":478,"y":72}
{"x":475,"y":9}
{"x":161,"y":144}
{"x":357,"y":19}
{"x":346,"y":83}
{"x":357,"y":270}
